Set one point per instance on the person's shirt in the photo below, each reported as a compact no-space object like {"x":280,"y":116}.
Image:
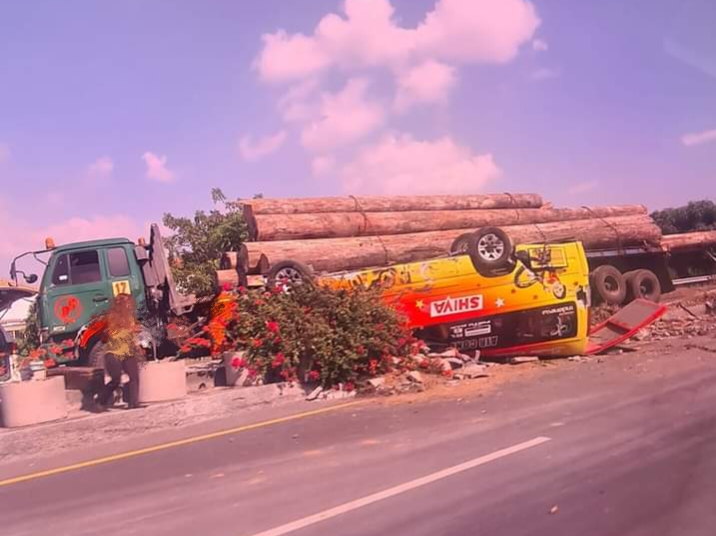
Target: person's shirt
{"x":122,"y":341}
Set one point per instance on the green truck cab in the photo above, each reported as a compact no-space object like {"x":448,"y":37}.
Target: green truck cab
{"x":81,"y":279}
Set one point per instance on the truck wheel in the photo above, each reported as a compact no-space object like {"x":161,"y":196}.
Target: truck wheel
{"x":609,"y":284}
{"x":285,"y":274}
{"x":644,"y":284}
{"x":490,"y":250}
{"x":95,"y":357}
{"x":461,"y":244}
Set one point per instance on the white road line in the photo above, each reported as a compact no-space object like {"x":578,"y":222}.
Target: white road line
{"x":401,"y":488}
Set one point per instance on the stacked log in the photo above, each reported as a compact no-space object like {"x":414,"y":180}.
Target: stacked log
{"x":337,"y":254}
{"x":690,"y":241}
{"x":297,"y":226}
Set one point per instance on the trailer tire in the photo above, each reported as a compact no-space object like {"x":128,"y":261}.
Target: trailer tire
{"x":644,"y":284}
{"x":490,"y":251}
{"x":609,"y":284}
{"x":288,"y":273}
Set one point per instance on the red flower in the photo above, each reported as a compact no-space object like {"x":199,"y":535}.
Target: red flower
{"x":272,"y":326}
{"x":278,"y":360}
{"x":314,"y":375}
{"x":237,"y":363}
{"x":360,"y":350}
{"x":226,"y":287}
{"x":349,"y":386}
{"x":256,"y":343}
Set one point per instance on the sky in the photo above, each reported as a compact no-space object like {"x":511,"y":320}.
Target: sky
{"x":113,"y":113}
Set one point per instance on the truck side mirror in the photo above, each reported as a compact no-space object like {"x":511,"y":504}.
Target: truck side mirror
{"x":31,"y":279}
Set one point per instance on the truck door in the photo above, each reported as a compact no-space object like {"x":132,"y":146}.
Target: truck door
{"x":77,"y":290}
{"x":123,"y":274}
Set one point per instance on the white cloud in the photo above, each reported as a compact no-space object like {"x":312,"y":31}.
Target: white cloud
{"x":583,"y":187}
{"x":368,"y":35}
{"x":4,"y":152}
{"x":101,"y":168}
{"x":429,"y":82}
{"x":157,"y":167}
{"x":540,"y":45}
{"x":256,"y":150}
{"x":298,"y":103}
{"x":345,"y":117}
{"x":403,"y":165}
{"x":322,"y":165}
{"x":697,"y":138}
{"x":544,"y":74}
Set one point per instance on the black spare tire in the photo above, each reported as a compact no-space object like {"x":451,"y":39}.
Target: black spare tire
{"x":490,"y":250}
{"x":461,"y":245}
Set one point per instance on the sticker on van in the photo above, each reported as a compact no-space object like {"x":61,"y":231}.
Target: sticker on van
{"x":451,"y":306}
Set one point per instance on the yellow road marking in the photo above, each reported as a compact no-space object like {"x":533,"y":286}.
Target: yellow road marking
{"x":169,"y":445}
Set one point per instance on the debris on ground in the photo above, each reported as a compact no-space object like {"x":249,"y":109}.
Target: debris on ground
{"x":523,"y":359}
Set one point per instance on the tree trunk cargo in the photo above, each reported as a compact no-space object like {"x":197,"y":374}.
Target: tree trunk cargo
{"x":337,"y":254}
{"x":698,"y":240}
{"x":312,"y":205}
{"x":269,"y":227}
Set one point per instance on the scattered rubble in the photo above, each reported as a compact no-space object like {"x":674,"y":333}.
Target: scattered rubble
{"x":415,"y":377}
{"x":524,"y":359}
{"x":471,"y":372}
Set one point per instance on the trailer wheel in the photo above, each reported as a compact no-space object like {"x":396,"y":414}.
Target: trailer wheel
{"x":645,"y":284}
{"x":285,"y":274}
{"x":461,"y":245}
{"x":609,"y":284}
{"x":490,"y":251}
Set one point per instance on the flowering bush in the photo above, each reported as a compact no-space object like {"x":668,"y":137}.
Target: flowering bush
{"x":312,"y":334}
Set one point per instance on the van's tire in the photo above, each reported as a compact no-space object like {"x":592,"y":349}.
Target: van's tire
{"x":609,"y":285}
{"x":490,"y":251}
{"x":288,"y":273}
{"x":461,"y":245}
{"x":644,"y":284}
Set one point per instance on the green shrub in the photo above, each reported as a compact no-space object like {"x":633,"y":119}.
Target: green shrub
{"x":316,"y":334}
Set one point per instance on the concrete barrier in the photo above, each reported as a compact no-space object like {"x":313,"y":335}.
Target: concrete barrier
{"x":32,"y":402}
{"x":160,"y":381}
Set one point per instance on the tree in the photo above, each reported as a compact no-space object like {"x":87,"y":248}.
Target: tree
{"x":197,"y":243}
{"x":694,"y":216}
{"x":29,"y":339}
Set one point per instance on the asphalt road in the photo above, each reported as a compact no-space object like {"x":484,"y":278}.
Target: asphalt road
{"x":622,"y":448}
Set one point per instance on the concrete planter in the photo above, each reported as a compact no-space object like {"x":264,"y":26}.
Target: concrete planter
{"x":235,"y":377}
{"x":32,"y":402}
{"x":160,"y":381}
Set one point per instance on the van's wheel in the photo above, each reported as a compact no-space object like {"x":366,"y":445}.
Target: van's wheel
{"x":285,"y":274}
{"x":490,"y":250}
{"x":609,"y":284}
{"x":644,"y":284}
{"x":461,"y":244}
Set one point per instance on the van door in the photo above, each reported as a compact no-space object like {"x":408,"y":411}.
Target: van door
{"x":77,"y":291}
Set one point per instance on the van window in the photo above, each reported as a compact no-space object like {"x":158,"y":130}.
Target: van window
{"x":118,"y":262}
